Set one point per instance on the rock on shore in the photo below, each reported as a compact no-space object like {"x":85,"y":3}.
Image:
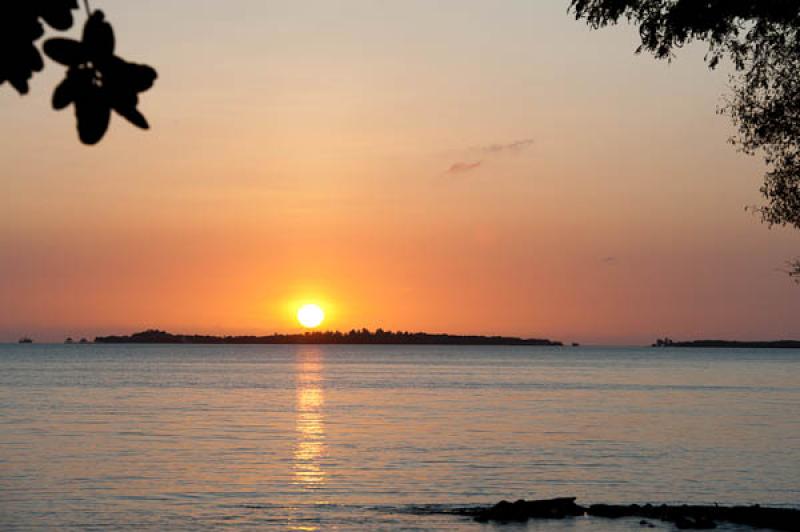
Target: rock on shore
{"x":684,"y":517}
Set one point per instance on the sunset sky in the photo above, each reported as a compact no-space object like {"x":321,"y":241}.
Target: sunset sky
{"x":462,"y":166}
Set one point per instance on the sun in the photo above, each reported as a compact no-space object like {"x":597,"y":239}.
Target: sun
{"x":310,"y":316}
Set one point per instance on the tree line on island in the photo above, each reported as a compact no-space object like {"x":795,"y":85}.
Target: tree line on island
{"x":769,"y":344}
{"x":360,"y":336}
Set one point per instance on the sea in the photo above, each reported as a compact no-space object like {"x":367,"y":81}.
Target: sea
{"x":274,"y":437}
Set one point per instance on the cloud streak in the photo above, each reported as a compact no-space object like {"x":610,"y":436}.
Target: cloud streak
{"x":489,"y":151}
{"x":462,"y":167}
{"x":514,"y":147}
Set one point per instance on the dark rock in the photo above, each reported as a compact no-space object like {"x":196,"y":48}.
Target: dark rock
{"x":684,"y":517}
{"x":694,"y":523}
{"x":523,"y":510}
{"x":758,"y":517}
{"x":688,"y":517}
{"x":610,"y":511}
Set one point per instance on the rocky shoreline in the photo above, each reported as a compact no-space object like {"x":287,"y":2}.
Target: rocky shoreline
{"x":684,"y":517}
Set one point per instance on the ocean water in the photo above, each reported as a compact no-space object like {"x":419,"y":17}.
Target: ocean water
{"x":381,"y":437}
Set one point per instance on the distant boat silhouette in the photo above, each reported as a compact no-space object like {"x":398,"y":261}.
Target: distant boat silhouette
{"x":25,"y":340}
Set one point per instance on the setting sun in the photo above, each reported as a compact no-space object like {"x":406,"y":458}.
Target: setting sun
{"x":310,"y":316}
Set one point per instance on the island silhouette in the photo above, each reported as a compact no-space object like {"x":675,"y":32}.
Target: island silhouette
{"x":753,"y":344}
{"x":355,"y":336}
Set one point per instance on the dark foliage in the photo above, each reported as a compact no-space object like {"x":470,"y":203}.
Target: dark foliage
{"x":20,"y":27}
{"x":97,"y":81}
{"x":762,"y":38}
{"x":766,"y":108}
{"x":794,"y":272}
{"x":362,"y":336}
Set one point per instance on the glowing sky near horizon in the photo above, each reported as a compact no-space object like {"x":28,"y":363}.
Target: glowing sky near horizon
{"x":461,"y":166}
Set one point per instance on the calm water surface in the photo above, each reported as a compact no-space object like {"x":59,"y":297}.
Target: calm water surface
{"x":344,"y":437}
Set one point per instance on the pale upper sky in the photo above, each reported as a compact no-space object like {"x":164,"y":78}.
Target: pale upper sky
{"x":464,"y":166}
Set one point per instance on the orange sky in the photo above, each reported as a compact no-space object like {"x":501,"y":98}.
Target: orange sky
{"x":460,"y":166}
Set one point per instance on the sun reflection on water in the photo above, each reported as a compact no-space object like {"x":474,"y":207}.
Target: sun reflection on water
{"x":309,"y":424}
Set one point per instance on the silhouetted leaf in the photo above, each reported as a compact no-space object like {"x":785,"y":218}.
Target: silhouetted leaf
{"x":35,"y":59}
{"x":20,"y":83}
{"x":33,"y":29}
{"x":64,"y":93}
{"x":132,"y":115}
{"x":124,"y":102}
{"x":58,"y":13}
{"x":98,"y":36}
{"x":93,"y":114}
{"x":136,"y":76}
{"x":65,"y":51}
{"x":20,"y":69}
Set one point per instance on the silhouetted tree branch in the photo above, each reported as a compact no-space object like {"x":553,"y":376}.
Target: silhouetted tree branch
{"x":761,"y":38}
{"x":794,"y":270}
{"x":97,"y":81}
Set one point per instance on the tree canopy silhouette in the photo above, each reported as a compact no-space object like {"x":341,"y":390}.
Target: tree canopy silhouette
{"x":97,"y":81}
{"x":761,"y":38}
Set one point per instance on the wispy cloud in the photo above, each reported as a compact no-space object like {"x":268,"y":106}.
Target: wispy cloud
{"x":611,"y":261}
{"x":489,"y":152}
{"x":461,"y":167}
{"x":516,"y":146}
